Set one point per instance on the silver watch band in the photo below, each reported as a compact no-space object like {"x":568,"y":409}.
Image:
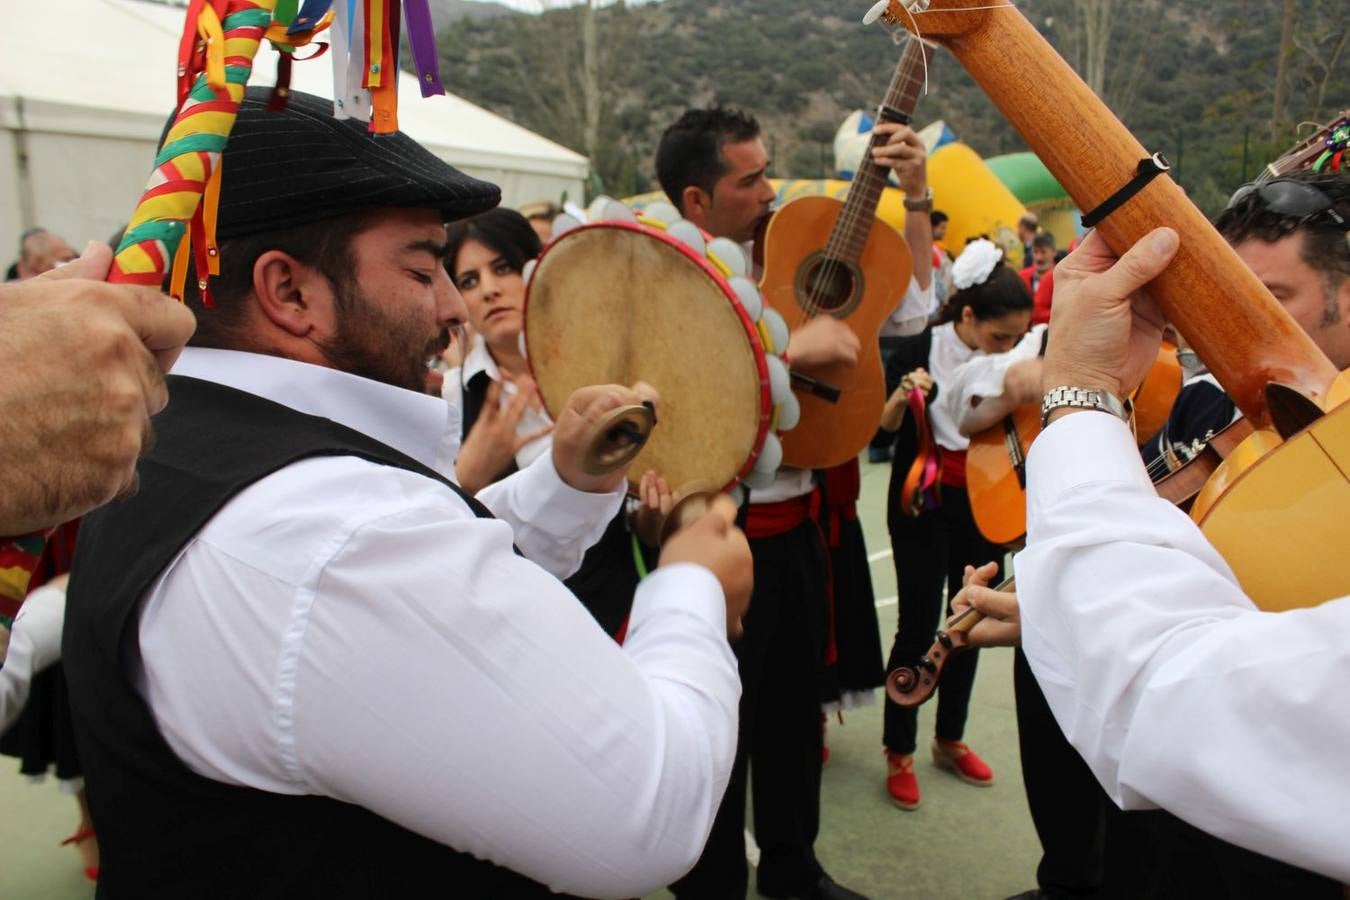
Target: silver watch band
{"x":1081,"y":398}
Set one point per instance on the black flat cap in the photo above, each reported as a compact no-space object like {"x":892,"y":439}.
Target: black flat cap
{"x":301,"y":165}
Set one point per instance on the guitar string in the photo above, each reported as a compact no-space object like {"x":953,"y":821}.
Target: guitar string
{"x":853,"y":212}
{"x":841,"y":235}
{"x":814,"y":305}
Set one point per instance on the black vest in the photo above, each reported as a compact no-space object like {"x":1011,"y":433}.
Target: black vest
{"x":163,"y":830}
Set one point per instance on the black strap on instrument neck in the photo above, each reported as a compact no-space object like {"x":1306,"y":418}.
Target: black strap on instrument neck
{"x":1148,"y":169}
{"x":891,"y":114}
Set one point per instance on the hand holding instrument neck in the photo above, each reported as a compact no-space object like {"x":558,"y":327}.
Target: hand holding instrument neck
{"x":912,"y":685}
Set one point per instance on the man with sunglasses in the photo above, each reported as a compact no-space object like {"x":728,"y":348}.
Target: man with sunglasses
{"x":1293,"y":233}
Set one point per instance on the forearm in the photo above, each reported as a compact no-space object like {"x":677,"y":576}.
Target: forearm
{"x":554,"y":524}
{"x":919,"y":236}
{"x":533,"y":740}
{"x":893,"y":413}
{"x":1159,"y":669}
{"x":978,"y":416}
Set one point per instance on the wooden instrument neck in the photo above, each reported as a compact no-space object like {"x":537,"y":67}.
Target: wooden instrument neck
{"x":855,"y":220}
{"x":1239,"y":330}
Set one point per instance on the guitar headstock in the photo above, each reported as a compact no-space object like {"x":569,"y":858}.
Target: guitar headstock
{"x":958,"y":17}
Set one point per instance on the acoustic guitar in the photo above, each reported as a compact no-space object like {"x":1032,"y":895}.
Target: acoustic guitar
{"x":996,"y":461}
{"x":826,"y":257}
{"x":1279,"y":519}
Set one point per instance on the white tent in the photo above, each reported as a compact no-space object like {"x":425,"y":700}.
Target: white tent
{"x":86,"y":85}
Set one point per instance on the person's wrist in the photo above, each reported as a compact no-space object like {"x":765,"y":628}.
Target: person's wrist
{"x":1079,"y":378}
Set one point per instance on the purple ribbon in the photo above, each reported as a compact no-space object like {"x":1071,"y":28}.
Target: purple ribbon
{"x":422,"y":41}
{"x":309,"y":15}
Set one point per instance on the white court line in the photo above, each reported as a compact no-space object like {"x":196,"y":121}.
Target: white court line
{"x":880,"y":554}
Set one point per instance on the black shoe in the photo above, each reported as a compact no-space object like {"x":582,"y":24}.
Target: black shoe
{"x":1033,"y":894}
{"x":878,"y":454}
{"x":824,"y":889}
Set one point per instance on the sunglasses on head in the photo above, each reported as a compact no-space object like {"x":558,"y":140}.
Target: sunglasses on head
{"x":1283,"y":197}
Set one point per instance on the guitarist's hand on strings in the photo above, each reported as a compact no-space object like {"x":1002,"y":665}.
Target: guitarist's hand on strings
{"x":822,"y":341}
{"x":1106,"y":329}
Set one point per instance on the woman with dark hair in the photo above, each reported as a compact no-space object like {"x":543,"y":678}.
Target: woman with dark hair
{"x":504,"y":423}
{"x":988,"y":313}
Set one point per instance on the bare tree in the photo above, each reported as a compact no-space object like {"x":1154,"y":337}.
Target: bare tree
{"x":1323,"y":47}
{"x":1094,"y":18}
{"x":581,"y":49}
{"x":1282,"y":67}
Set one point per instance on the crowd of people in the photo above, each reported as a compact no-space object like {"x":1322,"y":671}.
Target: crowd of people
{"x":360,"y":613}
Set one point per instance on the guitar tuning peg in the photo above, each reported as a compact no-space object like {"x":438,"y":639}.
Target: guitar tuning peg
{"x":876,"y":12}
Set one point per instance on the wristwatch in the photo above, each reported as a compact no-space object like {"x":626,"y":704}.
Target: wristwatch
{"x":923,"y":205}
{"x":1081,"y":398}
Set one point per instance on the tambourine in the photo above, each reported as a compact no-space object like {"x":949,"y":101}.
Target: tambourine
{"x":646,"y":297}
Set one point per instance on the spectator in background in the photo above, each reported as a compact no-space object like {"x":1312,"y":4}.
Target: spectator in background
{"x":540,"y":214}
{"x":1027,"y":228}
{"x":1042,"y":261}
{"x":39,"y":251}
{"x":942,"y":260}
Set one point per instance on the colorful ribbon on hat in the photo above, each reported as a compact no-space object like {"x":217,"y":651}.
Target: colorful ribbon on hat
{"x":176,"y":215}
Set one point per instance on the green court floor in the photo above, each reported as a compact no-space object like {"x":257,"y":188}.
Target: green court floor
{"x":964,"y":842}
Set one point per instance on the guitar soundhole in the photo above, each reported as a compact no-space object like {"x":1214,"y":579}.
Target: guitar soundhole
{"x":827,"y":286}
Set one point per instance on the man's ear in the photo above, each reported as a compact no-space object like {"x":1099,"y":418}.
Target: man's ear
{"x":696,"y":203}
{"x":285,"y":290}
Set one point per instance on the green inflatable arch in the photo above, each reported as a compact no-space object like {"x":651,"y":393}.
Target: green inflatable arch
{"x":1030,"y":181}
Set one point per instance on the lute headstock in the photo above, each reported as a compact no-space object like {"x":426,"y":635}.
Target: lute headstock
{"x":1331,"y":139}
{"x":957,"y":17}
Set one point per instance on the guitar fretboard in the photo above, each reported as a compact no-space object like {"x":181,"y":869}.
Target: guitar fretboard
{"x":855,"y":220}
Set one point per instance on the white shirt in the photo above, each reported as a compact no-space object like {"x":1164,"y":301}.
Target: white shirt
{"x":912,"y":313}
{"x":34,"y":644}
{"x":531,"y":421}
{"x":350,"y":630}
{"x":982,"y":376}
{"x":946,"y":354}
{"x":1177,"y":691}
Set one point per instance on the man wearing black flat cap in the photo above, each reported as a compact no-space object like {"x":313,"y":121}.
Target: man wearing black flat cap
{"x":302,"y":662}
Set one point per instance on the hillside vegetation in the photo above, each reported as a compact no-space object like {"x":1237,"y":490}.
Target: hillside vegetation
{"x":1193,"y":80}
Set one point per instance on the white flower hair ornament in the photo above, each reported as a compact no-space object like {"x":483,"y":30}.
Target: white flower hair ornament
{"x":975,"y":263}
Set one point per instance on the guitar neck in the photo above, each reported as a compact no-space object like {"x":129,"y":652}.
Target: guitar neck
{"x":855,"y":221}
{"x":1240,"y":331}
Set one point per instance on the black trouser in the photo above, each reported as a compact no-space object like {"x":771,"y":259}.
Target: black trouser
{"x":780,"y":739}
{"x":931,"y":551}
{"x":1068,"y":806}
{"x":1091,"y":848}
{"x":883,"y":439}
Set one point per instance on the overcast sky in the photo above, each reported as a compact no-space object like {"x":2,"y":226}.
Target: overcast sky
{"x":536,"y":5}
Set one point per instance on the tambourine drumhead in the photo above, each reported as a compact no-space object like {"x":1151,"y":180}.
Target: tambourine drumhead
{"x":615,"y":303}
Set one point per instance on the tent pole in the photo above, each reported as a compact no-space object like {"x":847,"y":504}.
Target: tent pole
{"x":27,"y":206}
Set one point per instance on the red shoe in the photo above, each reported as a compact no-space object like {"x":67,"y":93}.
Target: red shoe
{"x":78,"y":838}
{"x":962,"y":762}
{"x":900,"y":781}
